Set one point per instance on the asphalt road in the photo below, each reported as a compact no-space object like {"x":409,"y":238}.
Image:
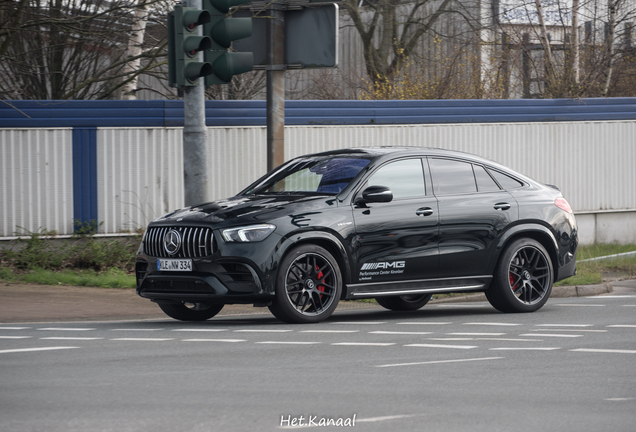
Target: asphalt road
{"x":449,"y":367}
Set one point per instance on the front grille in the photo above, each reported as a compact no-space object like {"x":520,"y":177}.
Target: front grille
{"x":194,"y":242}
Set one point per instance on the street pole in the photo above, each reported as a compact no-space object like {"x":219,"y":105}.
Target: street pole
{"x":195,"y":155}
{"x":275,"y":68}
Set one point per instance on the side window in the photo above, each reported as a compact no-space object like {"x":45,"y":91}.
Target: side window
{"x":485,"y":183}
{"x":452,"y":177}
{"x":405,"y":178}
{"x":506,"y":181}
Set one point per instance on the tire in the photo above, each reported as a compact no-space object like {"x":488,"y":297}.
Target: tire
{"x":308,"y":286}
{"x":404,"y":302}
{"x":190,"y":311}
{"x":523,"y":278}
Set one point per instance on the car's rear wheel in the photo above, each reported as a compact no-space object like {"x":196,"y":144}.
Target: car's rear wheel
{"x":404,"y":302}
{"x":190,"y":311}
{"x":523,"y":278}
{"x":308,"y":286}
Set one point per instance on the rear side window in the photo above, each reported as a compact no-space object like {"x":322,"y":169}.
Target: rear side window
{"x":485,"y":183}
{"x":452,"y":177}
{"x":506,"y":181}
{"x":405,"y":178}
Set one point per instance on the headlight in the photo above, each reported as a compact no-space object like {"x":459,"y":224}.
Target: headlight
{"x":252,"y":233}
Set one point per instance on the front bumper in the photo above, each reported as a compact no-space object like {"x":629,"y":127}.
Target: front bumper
{"x":227,"y":282}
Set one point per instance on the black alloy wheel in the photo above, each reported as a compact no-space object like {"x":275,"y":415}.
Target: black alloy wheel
{"x":523,"y":279}
{"x":308,"y":286}
{"x":190,"y":311}
{"x":408,"y":302}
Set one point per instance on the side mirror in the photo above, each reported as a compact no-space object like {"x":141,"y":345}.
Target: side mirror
{"x":374,"y":194}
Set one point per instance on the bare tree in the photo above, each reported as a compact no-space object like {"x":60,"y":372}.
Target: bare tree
{"x":73,"y":49}
{"x":391,"y":34}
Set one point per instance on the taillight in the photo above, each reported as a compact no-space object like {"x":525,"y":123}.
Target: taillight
{"x":563,"y":205}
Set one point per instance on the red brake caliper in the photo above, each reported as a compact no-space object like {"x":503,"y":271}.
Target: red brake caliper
{"x":512,"y":282}
{"x":319,"y":276}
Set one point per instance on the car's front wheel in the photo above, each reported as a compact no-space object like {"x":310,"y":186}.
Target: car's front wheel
{"x":308,"y":286}
{"x":404,"y":302}
{"x":190,"y":311}
{"x":523,"y":278}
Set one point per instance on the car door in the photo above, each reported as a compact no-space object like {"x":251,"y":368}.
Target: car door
{"x":473,"y":212}
{"x":397,"y":240}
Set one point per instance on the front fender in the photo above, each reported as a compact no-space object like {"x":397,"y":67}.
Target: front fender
{"x":325,"y":238}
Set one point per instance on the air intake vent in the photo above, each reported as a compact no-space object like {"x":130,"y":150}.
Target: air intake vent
{"x":179,"y":242}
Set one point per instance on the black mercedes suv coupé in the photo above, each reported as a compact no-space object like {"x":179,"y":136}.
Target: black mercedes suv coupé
{"x":394,"y":224}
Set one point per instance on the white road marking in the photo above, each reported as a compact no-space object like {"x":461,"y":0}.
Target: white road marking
{"x":440,"y":361}
{"x":71,"y":338}
{"x":14,"y":328}
{"x":492,"y":324}
{"x":424,"y":323}
{"x":360,"y":322}
{"x":623,"y":326}
{"x":614,"y":296}
{"x":36,"y":349}
{"x":551,"y":335}
{"x":363,"y":343}
{"x":143,"y":339}
{"x":287,"y":343}
{"x":385,"y":418}
{"x":15,"y":337}
{"x":564,"y":325}
{"x":455,"y":305}
{"x":580,"y":305}
{"x":66,"y":329}
{"x":485,"y":339}
{"x":199,"y":330}
{"x":441,"y":346}
{"x":619,"y":399}
{"x":610,"y":351}
{"x":136,"y":329}
{"x":329,"y":331}
{"x":214,"y":340}
{"x":525,"y":349}
{"x":261,"y":331}
{"x":569,"y":330}
{"x":400,"y":333}
{"x":475,"y":334}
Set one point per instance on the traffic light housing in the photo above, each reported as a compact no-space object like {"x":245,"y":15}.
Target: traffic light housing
{"x":222,"y":30}
{"x":184,"y":44}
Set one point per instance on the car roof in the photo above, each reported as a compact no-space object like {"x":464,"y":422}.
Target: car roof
{"x":394,"y":151}
{"x":382,"y":153}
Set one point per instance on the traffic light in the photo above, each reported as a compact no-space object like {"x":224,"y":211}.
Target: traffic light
{"x":222,"y":30}
{"x":184,"y":67}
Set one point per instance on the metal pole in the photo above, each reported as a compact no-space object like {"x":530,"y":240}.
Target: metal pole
{"x":275,"y":45}
{"x":195,"y":134}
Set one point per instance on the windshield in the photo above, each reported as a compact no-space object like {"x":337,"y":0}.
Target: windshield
{"x":320,"y":174}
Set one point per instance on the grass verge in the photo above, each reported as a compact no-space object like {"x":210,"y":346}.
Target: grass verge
{"x":112,"y":278}
{"x":594,"y":272}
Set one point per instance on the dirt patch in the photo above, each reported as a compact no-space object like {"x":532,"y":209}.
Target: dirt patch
{"x":45,"y":303}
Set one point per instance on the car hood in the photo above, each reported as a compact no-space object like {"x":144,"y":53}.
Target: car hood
{"x":245,"y":209}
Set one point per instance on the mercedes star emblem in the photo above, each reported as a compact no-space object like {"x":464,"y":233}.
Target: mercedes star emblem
{"x":172,"y":242}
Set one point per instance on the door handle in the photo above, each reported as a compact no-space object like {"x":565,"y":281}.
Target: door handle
{"x":424,"y":211}
{"x":502,"y":206}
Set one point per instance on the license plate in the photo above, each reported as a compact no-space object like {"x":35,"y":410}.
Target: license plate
{"x":174,"y":264}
